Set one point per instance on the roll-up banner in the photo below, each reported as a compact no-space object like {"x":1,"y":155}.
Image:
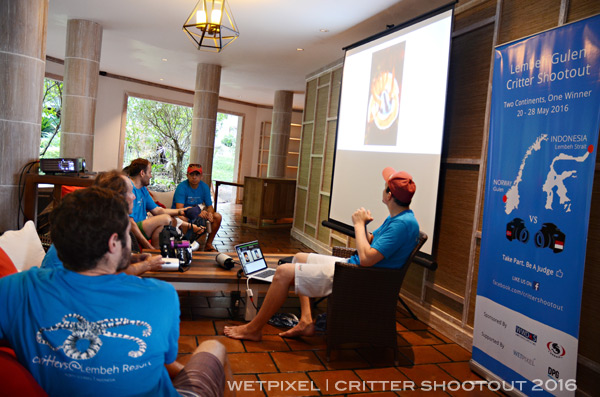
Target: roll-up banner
{"x":543,"y":139}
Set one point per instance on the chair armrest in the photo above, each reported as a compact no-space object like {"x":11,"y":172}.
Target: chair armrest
{"x":343,"y":252}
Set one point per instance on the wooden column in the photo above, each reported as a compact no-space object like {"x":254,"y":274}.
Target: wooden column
{"x":23,"y":26}
{"x":280,"y":133}
{"x":204,"y":120}
{"x":82,"y":65}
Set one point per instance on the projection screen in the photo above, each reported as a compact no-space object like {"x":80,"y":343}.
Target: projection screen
{"x":391,"y":113}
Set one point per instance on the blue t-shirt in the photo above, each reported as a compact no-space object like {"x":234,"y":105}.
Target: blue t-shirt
{"x":91,"y":335}
{"x":51,"y":259}
{"x":394,"y":239}
{"x":142,"y":204}
{"x":184,"y":194}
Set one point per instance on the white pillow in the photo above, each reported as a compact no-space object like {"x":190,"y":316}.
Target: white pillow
{"x":164,"y":197}
{"x":23,"y":247}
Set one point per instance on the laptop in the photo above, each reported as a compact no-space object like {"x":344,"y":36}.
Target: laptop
{"x":253,"y":262}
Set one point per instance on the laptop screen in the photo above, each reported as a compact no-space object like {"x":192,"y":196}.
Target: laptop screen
{"x":251,"y":257}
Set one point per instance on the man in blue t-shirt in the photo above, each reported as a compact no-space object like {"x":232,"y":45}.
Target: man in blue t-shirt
{"x":312,"y":274}
{"x":195,"y":192}
{"x":86,"y":329}
{"x":140,"y":173}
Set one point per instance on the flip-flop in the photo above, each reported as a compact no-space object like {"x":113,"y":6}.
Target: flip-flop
{"x":285,"y":320}
{"x":321,"y":322}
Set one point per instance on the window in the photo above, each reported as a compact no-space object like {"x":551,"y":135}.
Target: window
{"x":51,"y":112}
{"x":161,"y":132}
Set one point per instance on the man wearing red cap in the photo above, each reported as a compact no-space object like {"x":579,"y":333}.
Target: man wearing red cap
{"x":140,"y":173}
{"x":312,"y":274}
{"x":195,"y":192}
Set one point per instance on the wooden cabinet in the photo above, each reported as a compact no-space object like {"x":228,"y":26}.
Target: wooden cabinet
{"x":268,"y":202}
{"x":291,"y":168}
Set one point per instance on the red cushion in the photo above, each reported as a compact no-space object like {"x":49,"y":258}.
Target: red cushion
{"x":14,"y":378}
{"x":64,"y":190}
{"x":6,"y":265}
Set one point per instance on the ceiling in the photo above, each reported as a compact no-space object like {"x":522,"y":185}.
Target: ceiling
{"x":143,"y":39}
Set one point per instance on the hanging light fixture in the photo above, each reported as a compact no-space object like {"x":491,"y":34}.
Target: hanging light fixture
{"x":211,"y":25}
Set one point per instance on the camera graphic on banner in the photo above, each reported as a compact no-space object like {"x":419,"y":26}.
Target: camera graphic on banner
{"x":549,"y":236}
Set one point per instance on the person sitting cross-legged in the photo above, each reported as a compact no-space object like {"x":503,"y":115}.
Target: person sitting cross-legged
{"x":195,"y":192}
{"x":86,"y":329}
{"x":312,"y":274}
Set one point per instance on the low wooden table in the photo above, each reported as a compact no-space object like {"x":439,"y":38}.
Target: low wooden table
{"x":205,"y":275}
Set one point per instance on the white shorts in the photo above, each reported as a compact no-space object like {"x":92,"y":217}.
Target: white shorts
{"x":315,"y":278}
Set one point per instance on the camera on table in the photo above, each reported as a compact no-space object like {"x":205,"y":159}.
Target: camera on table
{"x":516,"y":229}
{"x":173,"y":246}
{"x":550,"y":236}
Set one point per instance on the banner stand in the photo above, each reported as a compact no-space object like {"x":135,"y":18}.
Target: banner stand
{"x":543,"y":137}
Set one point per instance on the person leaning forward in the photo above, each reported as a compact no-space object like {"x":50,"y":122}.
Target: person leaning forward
{"x":85,"y":329}
{"x":312,"y":274}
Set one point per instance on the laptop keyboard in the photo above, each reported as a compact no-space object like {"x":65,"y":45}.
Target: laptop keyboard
{"x":266,"y":273}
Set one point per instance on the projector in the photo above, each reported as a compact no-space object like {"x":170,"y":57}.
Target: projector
{"x":62,"y":165}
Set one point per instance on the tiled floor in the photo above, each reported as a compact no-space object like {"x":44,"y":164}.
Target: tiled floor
{"x":298,"y":367}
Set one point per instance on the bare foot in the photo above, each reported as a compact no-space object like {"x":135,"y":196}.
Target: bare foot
{"x":302,"y":329}
{"x":242,"y":332}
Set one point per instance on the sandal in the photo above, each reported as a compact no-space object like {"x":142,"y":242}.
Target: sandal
{"x":210,"y":248}
{"x":284,"y":320}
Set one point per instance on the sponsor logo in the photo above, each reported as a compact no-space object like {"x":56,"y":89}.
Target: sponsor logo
{"x":556,"y":350}
{"x":523,"y":333}
{"x":553,"y":374}
{"x":521,"y":356}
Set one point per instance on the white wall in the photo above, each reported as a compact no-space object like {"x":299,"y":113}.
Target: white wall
{"x":111,"y":102}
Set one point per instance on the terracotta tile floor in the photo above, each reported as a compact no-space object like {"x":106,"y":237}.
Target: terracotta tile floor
{"x":298,"y":367}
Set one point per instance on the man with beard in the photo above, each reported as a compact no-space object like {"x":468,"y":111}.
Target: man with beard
{"x":86,"y":329}
{"x":140,"y":173}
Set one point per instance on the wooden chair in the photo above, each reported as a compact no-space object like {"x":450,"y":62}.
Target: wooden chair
{"x":362,"y":305}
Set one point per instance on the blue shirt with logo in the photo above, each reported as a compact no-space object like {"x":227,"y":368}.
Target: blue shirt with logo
{"x":184,"y":194}
{"x":394,"y":239}
{"x":94,"y":335}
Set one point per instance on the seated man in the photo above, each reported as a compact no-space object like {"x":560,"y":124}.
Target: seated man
{"x":312,"y":274}
{"x":84,"y":329}
{"x":120,"y":184}
{"x":140,"y":173}
{"x":195,"y":192}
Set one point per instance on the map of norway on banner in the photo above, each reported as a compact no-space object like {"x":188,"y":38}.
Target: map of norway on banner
{"x":544,"y":127}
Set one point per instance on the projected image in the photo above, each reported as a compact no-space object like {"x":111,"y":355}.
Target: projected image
{"x":384,"y":96}
{"x":391,"y":114}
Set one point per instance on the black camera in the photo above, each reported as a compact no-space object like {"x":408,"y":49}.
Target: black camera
{"x":551,"y":237}
{"x":516,"y":229}
{"x":173,"y":246}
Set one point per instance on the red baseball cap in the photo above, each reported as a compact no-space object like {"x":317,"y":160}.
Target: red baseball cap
{"x":193,"y":168}
{"x":400,"y":183}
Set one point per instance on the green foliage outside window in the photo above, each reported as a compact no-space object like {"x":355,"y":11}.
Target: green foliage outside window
{"x":161,"y":133}
{"x":51,"y":113}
